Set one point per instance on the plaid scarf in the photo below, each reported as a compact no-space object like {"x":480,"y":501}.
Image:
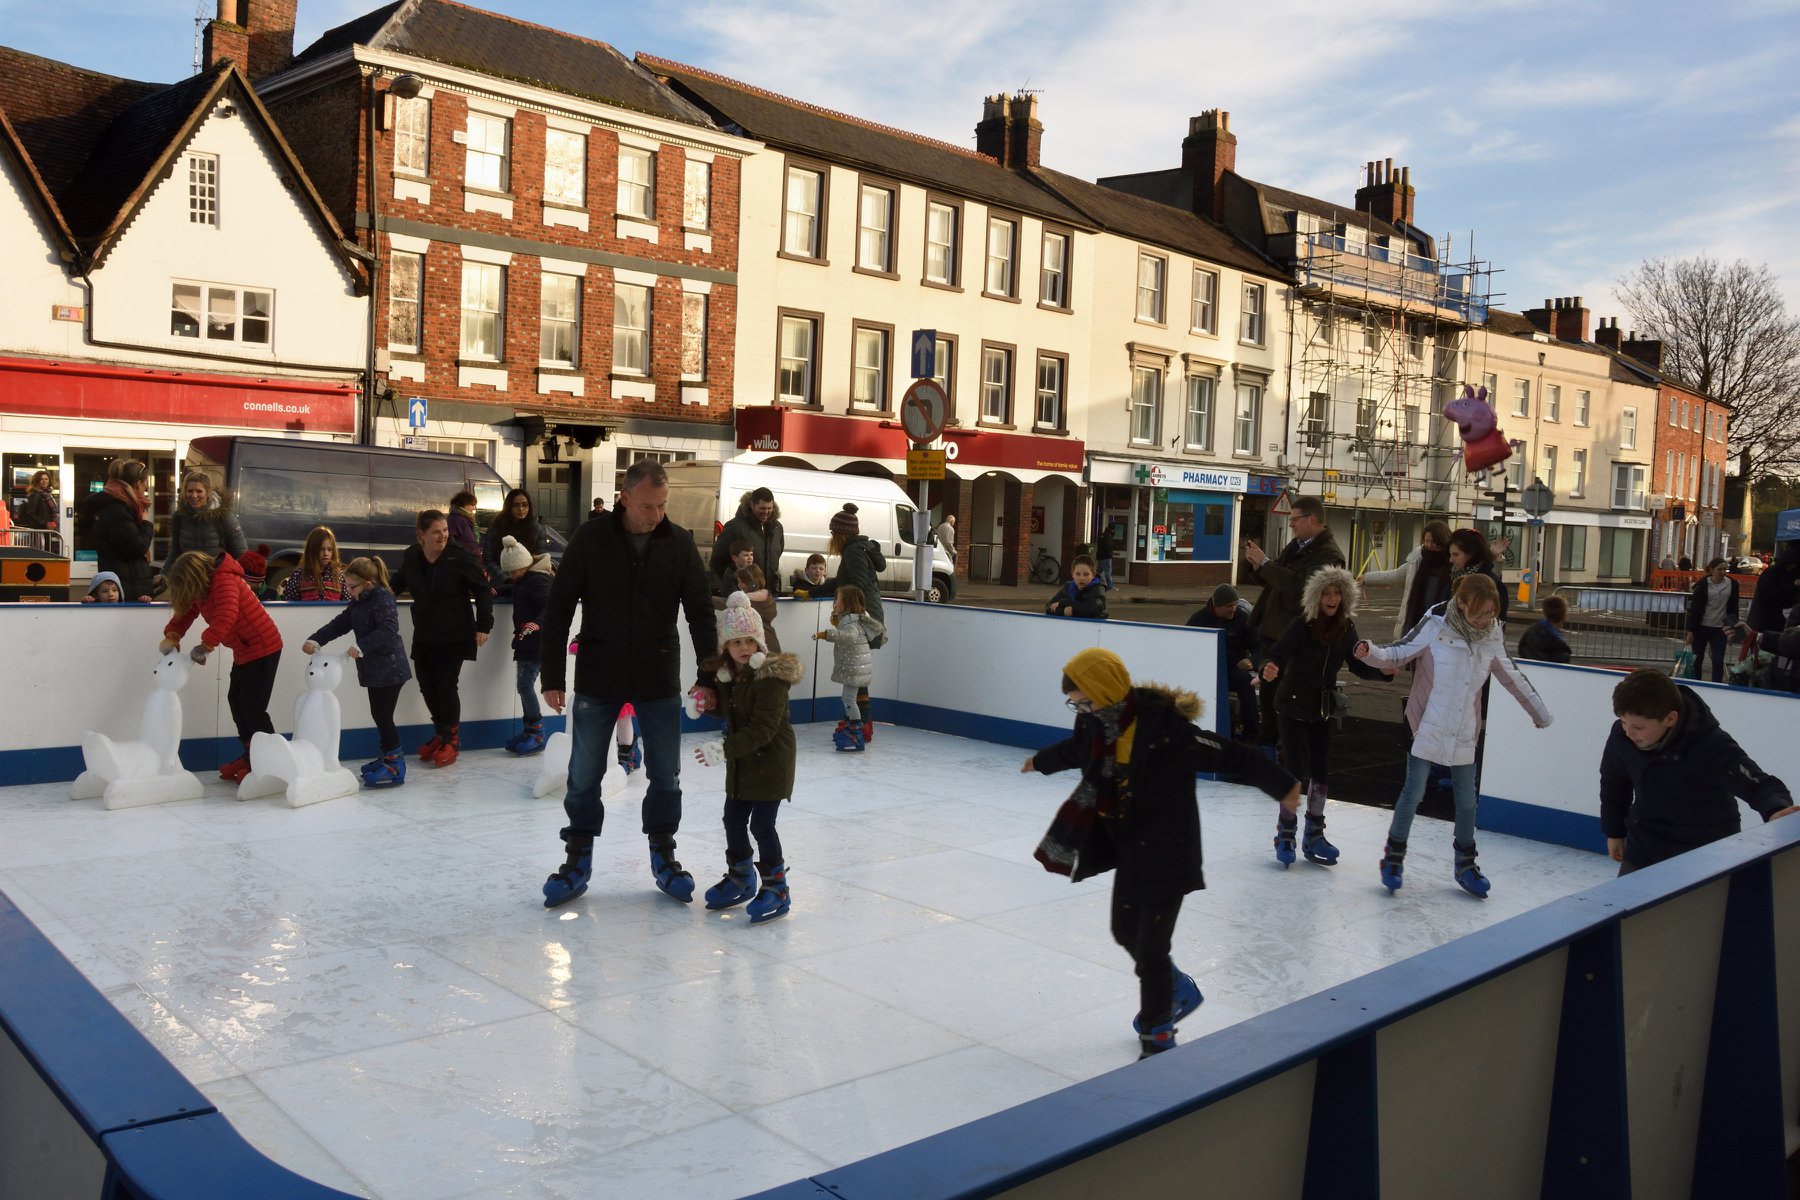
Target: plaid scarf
{"x":1097,"y":795}
{"x":1459,"y":624}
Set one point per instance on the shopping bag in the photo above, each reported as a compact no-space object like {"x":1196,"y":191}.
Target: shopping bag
{"x":1685,"y":666}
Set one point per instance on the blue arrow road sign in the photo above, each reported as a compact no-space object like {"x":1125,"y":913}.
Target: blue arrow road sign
{"x":415,"y":412}
{"x":924,"y":353}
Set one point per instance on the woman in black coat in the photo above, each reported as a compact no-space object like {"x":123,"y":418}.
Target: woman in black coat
{"x":517,"y":519}
{"x":1306,"y":659}
{"x":117,"y":520}
{"x":443,"y":580}
{"x":1712,"y":609}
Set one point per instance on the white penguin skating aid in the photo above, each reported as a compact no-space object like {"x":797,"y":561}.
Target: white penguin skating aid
{"x":553,"y":774}
{"x":307,"y":768}
{"x":148,"y":770}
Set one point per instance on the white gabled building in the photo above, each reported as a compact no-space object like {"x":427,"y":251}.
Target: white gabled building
{"x":183,"y":278}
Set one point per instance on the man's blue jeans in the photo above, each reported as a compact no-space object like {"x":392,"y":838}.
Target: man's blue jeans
{"x":591,"y":725}
{"x":1462,"y":783}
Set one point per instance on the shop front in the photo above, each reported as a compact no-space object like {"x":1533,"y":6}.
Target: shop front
{"x":1573,"y":546}
{"x":1172,"y":523}
{"x":73,"y":420}
{"x":1014,"y":495}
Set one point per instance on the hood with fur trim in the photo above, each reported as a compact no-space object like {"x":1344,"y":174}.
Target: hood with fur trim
{"x":219,"y":505}
{"x":785,"y":667}
{"x":1318,"y":581}
{"x":1189,"y":705}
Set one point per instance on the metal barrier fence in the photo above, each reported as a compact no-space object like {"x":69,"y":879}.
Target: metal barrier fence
{"x":1635,"y":625}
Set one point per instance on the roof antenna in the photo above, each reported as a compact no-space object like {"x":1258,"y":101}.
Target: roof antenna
{"x":200,"y":20}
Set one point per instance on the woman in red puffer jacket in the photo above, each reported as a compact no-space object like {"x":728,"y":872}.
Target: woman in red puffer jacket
{"x":200,"y":587}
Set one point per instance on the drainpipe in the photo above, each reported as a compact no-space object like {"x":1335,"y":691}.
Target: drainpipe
{"x":365,"y":432}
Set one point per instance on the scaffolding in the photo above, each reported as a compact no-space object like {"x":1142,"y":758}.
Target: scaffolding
{"x":1379,"y":334}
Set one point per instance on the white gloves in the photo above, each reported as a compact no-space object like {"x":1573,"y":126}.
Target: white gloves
{"x":695,"y":704}
{"x":711,"y":754}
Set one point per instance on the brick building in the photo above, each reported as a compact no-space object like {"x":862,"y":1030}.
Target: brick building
{"x":554,"y":232}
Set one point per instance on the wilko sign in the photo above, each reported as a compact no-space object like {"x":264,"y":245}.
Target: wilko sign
{"x":772,"y":427}
{"x":90,"y":391}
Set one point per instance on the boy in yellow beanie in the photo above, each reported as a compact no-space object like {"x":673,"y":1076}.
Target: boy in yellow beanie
{"x":1135,"y":810}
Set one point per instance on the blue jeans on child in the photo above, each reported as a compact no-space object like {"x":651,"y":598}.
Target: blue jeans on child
{"x":852,"y":710}
{"x":591,"y":725}
{"x":1462,"y":783}
{"x":528,"y":694}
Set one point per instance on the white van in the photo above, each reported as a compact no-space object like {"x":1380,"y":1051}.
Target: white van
{"x":705,"y":495}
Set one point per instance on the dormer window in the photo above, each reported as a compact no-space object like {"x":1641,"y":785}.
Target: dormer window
{"x":203,"y":189}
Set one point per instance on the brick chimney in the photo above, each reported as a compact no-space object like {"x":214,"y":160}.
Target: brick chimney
{"x":1646,"y":350}
{"x":1208,"y":151}
{"x":1608,"y":334}
{"x":1024,"y":132}
{"x":1565,"y":318}
{"x":991,"y":132}
{"x":1385,"y":193}
{"x":257,"y":35}
{"x":1543,"y":318}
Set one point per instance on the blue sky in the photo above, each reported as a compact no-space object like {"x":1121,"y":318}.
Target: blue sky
{"x":1567,"y":139}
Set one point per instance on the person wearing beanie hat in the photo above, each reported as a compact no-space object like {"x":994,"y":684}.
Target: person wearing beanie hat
{"x":1226,"y":613}
{"x":860,"y":564}
{"x":758,"y":752}
{"x":256,"y":572}
{"x":103,"y":589}
{"x":531,"y":576}
{"x":1134,"y":812}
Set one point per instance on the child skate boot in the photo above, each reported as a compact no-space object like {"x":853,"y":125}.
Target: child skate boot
{"x":430,"y":748}
{"x":738,"y":886}
{"x":447,"y":750}
{"x":773,"y":900}
{"x":235,"y":770}
{"x":671,"y":880}
{"x":848,"y":737}
{"x":1285,"y":825}
{"x":631,"y":757}
{"x":1185,"y":999}
{"x":387,"y":771}
{"x":1314,"y":845}
{"x":1393,"y":859}
{"x":868,"y":732}
{"x":1156,"y":1041}
{"x":1468,"y":876}
{"x":571,"y":879}
{"x":530,"y":742}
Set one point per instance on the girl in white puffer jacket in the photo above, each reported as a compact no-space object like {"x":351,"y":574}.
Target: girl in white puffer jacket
{"x":1457,"y":646}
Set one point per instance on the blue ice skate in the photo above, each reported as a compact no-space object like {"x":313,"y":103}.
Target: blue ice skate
{"x":387,"y":771}
{"x":1185,"y":1000}
{"x":671,"y":880}
{"x":848,"y":738}
{"x":1285,"y":826}
{"x":571,"y":879}
{"x":631,"y":758}
{"x":738,"y":886}
{"x":1468,"y":876}
{"x":1393,"y":860}
{"x":1156,"y":1041}
{"x":529,"y":741}
{"x":773,"y":900}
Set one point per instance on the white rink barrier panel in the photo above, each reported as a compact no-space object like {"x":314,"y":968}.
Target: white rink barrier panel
{"x":982,"y":673}
{"x":1545,"y":784}
{"x":76,"y":667}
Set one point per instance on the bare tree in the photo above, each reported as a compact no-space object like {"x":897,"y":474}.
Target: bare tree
{"x":1726,"y":332}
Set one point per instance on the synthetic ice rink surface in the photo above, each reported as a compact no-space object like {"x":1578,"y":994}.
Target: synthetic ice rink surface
{"x":370,"y":990}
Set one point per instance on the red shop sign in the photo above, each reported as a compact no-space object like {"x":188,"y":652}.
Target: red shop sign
{"x":95,"y":392}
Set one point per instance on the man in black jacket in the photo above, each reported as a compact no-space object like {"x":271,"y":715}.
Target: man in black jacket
{"x":1284,"y":578}
{"x":1671,"y":777}
{"x":1224,"y":612}
{"x":757,"y":524}
{"x":630,"y":571}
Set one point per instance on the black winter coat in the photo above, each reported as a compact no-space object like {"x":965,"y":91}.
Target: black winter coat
{"x":1089,"y":601}
{"x":1309,"y":669}
{"x":1240,"y":642}
{"x":1545,"y":643}
{"x":1696,"y":607}
{"x":441,"y":593}
{"x":375,"y":619}
{"x":39,"y":511}
{"x":861,"y":565}
{"x":1156,"y":845}
{"x":1777,"y":589}
{"x":213,"y":530}
{"x":1684,"y":793}
{"x":630,"y":647}
{"x":1284,"y":575}
{"x":529,"y":596}
{"x":121,"y":542}
{"x":767,"y":540}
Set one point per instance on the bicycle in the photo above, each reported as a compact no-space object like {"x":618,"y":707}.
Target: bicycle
{"x":1043,"y":568}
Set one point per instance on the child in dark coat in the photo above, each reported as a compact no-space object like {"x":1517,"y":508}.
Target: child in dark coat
{"x":1135,"y":811}
{"x":758,"y":751}
{"x":1544,"y":641}
{"x":380,"y":654}
{"x":1671,"y":777}
{"x":530,"y":575}
{"x":1082,"y":596}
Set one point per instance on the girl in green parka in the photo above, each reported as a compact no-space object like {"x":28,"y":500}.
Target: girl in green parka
{"x":758,"y":753}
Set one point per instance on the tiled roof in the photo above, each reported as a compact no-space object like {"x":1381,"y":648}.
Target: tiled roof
{"x":1511,"y":323}
{"x":119,"y":165}
{"x":1159,"y":224}
{"x":39,"y":193}
{"x":60,"y":111}
{"x":490,"y":44}
{"x":841,"y":138}
{"x":1286,"y":201}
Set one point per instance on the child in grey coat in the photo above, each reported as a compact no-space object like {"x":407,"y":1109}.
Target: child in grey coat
{"x":853,"y":659}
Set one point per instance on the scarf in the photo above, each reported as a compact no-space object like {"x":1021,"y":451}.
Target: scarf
{"x":1097,"y":795}
{"x":1429,"y":580}
{"x":1459,"y":624}
{"x":140,"y":504}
